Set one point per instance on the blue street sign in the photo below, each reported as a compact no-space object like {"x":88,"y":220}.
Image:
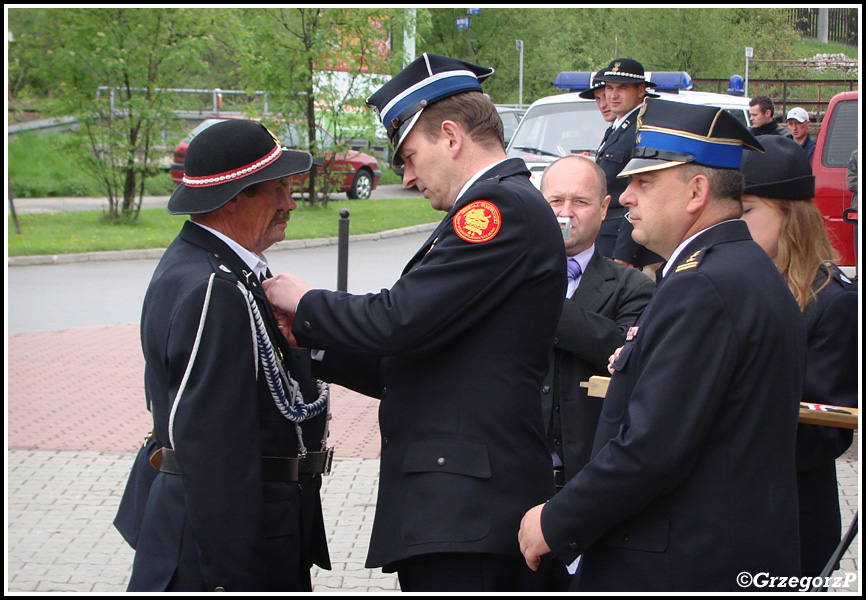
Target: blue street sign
{"x":474,"y":11}
{"x":462,"y":22}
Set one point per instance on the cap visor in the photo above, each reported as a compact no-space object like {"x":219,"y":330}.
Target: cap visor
{"x":396,"y":159}
{"x":643,"y":165}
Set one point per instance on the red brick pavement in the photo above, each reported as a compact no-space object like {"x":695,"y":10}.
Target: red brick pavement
{"x":82,"y":389}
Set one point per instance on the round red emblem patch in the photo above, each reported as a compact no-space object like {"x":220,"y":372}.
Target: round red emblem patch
{"x":478,"y":222}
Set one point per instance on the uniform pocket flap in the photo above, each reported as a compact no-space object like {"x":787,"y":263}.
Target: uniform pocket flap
{"x":446,"y":455}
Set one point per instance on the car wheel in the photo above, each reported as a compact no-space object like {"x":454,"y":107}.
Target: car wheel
{"x":362,"y":186}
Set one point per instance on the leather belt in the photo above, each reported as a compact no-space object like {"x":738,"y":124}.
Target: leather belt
{"x":274,"y":468}
{"x":559,"y":478}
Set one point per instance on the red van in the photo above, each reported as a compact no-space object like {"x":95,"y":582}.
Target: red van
{"x":837,"y":139}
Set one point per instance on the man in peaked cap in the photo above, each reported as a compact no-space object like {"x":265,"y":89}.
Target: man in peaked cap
{"x":457,"y":349}
{"x":626,"y":87}
{"x":691,"y":484}
{"x":232,"y":506}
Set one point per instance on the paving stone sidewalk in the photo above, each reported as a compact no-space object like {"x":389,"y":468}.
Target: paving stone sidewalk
{"x":73,"y":429}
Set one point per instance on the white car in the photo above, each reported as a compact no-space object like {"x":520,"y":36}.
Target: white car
{"x":565,"y":124}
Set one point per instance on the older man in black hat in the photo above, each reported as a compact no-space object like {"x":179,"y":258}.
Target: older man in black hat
{"x":457,"y":348}
{"x":626,"y":87}
{"x":239,"y":419}
{"x":691,"y":485}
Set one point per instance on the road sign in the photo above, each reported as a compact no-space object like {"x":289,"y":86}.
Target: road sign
{"x":462,"y":22}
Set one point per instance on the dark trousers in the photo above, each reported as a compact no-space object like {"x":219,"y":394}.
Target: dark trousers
{"x":466,"y":572}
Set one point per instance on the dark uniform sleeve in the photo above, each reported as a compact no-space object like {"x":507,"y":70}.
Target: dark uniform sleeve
{"x":452,"y":287}
{"x":831,"y":378}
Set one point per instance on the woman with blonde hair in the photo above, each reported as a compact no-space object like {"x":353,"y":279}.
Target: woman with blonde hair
{"x":783,"y":220}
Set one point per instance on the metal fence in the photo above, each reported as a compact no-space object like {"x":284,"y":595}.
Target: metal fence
{"x":841,"y":23}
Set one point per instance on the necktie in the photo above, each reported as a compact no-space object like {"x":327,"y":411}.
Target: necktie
{"x":574,"y":269}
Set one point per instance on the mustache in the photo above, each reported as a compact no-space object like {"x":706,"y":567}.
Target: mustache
{"x":281,"y":218}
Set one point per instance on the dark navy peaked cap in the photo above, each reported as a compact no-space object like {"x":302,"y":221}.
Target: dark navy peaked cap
{"x":782,"y":172}
{"x":674,"y":133}
{"x":426,"y":80}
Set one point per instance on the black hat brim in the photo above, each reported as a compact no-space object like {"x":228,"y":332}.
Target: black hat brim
{"x":189,"y":200}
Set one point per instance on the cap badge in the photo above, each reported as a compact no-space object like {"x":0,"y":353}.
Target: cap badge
{"x":478,"y":222}
{"x":632,"y":333}
{"x":616,"y":67}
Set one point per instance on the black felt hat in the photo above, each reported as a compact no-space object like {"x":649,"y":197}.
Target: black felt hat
{"x":426,"y":80}
{"x":589,"y":94}
{"x":227,"y":158}
{"x":782,"y":172}
{"x":674,"y":133}
{"x":624,"y":70}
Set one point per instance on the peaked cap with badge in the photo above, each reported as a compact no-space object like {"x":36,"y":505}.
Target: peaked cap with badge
{"x":624,"y":70}
{"x":228,"y":157}
{"x":670,"y":134}
{"x":428,"y":79}
{"x":782,"y":172}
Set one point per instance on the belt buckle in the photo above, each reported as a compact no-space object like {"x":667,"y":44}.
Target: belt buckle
{"x":329,"y":459}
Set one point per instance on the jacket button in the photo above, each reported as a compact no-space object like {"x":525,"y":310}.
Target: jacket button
{"x":307,"y":326}
{"x":545,"y":389}
{"x":219,"y":589}
{"x":384,"y":442}
{"x":573,"y":545}
{"x":441,"y":461}
{"x":556,"y":341}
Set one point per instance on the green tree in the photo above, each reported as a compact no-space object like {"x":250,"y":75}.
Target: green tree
{"x":313,"y":62}
{"x":109,"y":67}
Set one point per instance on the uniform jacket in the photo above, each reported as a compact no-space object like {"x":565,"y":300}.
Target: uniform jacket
{"x":692,"y":477}
{"x":457,"y":351}
{"x":218,"y":524}
{"x":614,"y":239}
{"x":593,"y":324}
{"x":831,"y":378}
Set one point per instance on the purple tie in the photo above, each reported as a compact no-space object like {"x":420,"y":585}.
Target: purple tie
{"x":574,"y":269}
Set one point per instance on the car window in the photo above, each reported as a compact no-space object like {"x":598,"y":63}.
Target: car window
{"x":554,"y":130}
{"x":841,"y":135}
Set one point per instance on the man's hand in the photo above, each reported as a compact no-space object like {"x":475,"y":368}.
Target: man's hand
{"x":612,"y":359}
{"x":284,"y":322}
{"x":285,"y":291}
{"x":531,"y":539}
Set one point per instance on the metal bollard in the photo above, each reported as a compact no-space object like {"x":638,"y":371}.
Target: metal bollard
{"x":343,"y":251}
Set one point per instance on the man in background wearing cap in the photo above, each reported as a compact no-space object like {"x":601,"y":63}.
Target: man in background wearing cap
{"x":691,"y":485}
{"x":597,"y":92}
{"x":232,"y":508}
{"x":761,"y":110}
{"x":625,"y":86}
{"x":457,"y":349}
{"x":798,"y":125}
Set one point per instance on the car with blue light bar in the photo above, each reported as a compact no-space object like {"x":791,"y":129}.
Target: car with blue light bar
{"x":566,"y":124}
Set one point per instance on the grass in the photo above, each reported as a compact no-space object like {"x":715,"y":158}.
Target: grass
{"x":89,"y":231}
{"x":43,"y":165}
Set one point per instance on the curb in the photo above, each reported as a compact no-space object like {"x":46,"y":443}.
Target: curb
{"x":156,"y":253}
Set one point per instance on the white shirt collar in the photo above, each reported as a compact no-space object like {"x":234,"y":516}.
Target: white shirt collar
{"x":257,"y":263}
{"x":619,"y":122}
{"x":673,"y":259}
{"x":476,"y":177}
